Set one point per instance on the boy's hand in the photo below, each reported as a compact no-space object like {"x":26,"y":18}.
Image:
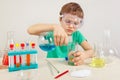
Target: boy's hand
{"x":60,"y":36}
{"x":79,"y":58}
{"x":3,"y":67}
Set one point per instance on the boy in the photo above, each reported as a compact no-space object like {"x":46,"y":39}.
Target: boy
{"x":71,"y":16}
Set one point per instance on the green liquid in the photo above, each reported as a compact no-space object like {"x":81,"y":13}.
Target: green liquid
{"x":70,"y":60}
{"x":97,"y":62}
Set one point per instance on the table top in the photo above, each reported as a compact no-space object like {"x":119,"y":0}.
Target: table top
{"x":110,"y":71}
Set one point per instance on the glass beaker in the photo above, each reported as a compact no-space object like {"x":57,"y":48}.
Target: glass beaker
{"x":71,"y":51}
{"x":98,"y":60}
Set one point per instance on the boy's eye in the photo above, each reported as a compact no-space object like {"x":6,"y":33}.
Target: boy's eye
{"x":76,"y":23}
{"x":68,"y":21}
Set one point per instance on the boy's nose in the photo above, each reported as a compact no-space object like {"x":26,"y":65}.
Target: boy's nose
{"x":71,"y":25}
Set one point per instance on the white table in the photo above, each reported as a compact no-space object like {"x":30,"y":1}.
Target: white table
{"x":111,"y":71}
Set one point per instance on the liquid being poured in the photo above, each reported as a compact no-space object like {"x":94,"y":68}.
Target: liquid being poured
{"x":47,"y":47}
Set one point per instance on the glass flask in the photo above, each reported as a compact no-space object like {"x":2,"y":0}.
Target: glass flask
{"x":109,"y":49}
{"x":107,"y":43}
{"x":46,"y":43}
{"x":9,"y":46}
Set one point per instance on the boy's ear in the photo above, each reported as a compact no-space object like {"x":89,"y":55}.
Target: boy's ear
{"x":60,"y":19}
{"x":81,"y":22}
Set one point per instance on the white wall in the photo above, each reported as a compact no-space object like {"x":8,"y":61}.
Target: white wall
{"x":18,"y":15}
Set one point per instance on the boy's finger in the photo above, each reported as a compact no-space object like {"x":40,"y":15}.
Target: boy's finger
{"x":76,"y":59}
{"x":62,"y":40}
{"x":77,"y":54}
{"x":80,"y":62}
{"x":55,"y":40}
{"x":58,"y":39}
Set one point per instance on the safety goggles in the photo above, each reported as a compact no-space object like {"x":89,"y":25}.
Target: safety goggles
{"x":71,"y":20}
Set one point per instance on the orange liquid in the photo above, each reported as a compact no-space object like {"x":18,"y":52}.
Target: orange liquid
{"x":28,"y":59}
{"x":17,"y":64}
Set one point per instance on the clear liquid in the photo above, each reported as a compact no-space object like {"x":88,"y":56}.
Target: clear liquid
{"x":97,"y":62}
{"x":47,"y":47}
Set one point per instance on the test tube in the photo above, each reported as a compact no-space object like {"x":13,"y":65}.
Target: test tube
{"x":28,"y":56}
{"x":18,"y":61}
{"x":17,"y":57}
{"x":22,"y":45}
{"x":28,"y":59}
{"x":11,"y":46}
{"x":11,"y":61}
{"x":23,"y":59}
{"x":33,"y":56}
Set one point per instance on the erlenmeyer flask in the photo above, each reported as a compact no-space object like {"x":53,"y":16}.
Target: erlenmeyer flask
{"x":9,"y":46}
{"x":109,"y":50}
{"x":108,"y":47}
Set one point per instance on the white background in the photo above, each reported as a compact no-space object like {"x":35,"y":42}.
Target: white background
{"x":18,"y":15}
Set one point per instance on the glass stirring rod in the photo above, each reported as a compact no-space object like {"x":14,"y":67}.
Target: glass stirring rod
{"x":53,"y":66}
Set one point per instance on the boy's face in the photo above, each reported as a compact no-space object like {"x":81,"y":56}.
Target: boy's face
{"x":70,"y":23}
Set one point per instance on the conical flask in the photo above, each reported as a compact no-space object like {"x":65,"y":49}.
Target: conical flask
{"x":109,"y":50}
{"x":9,"y":46}
{"x":108,"y":47}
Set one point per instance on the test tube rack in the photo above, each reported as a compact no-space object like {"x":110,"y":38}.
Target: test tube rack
{"x":22,"y":56}
{"x":12,"y":55}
